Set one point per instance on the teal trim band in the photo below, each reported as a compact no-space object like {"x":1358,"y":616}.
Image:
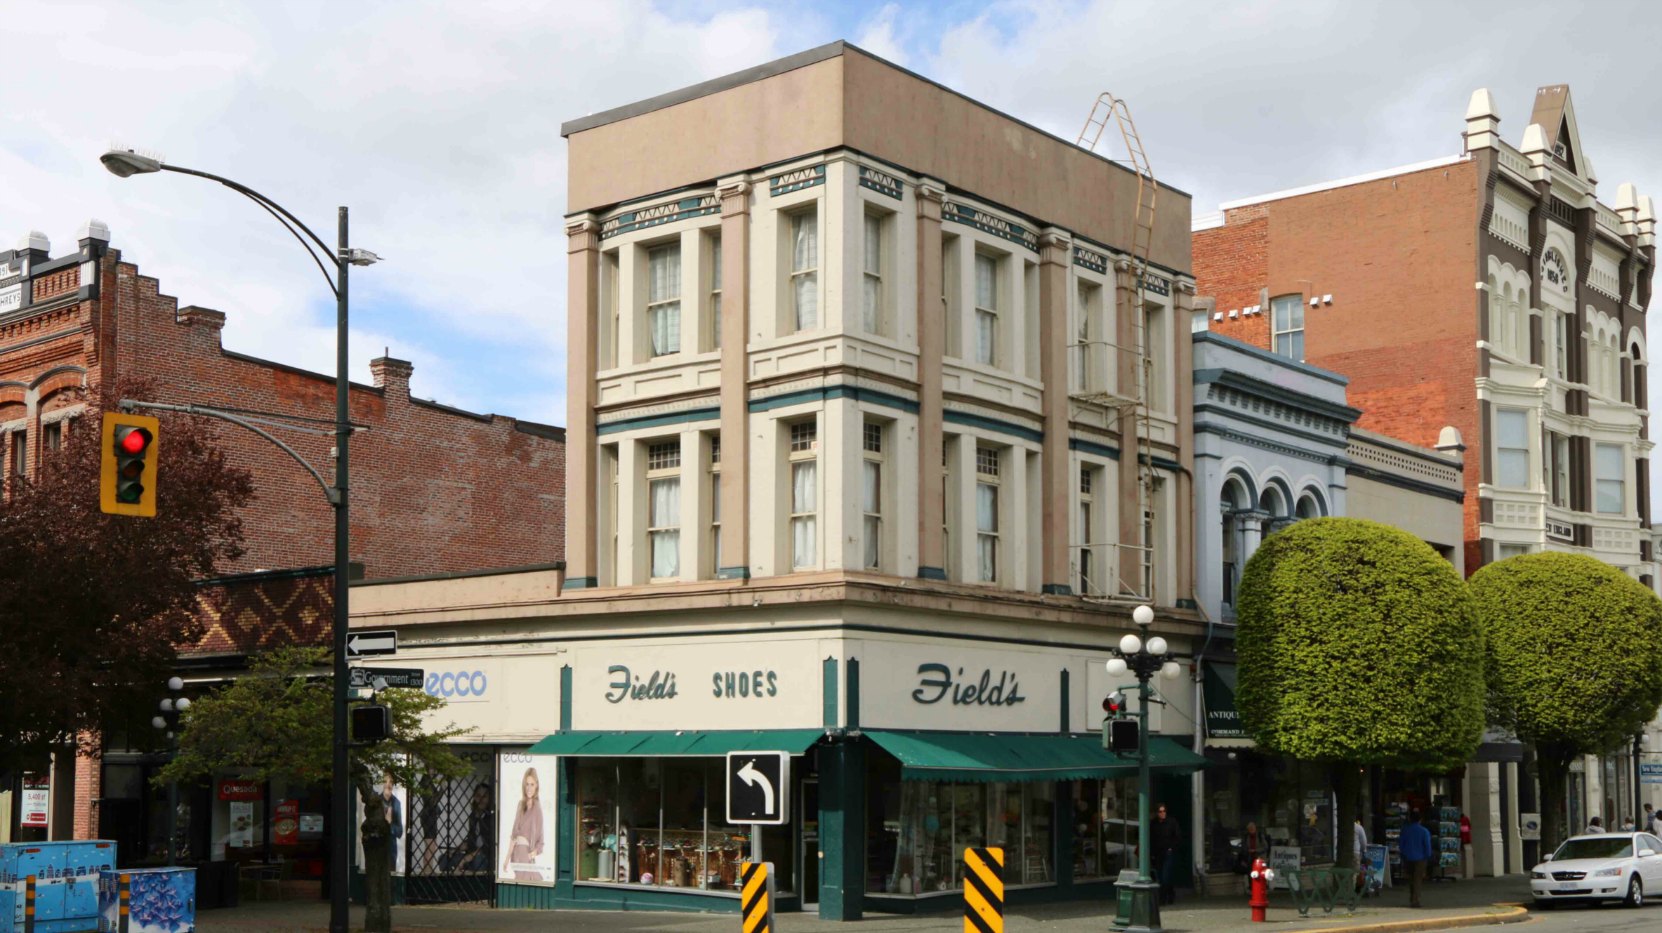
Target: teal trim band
{"x":1093,"y":448}
{"x":1170,"y":466}
{"x":732,"y":573}
{"x":565,"y":698}
{"x":931,"y":573}
{"x":581,"y":583}
{"x":1056,"y":589}
{"x":988,"y":424}
{"x":955,"y":212}
{"x":853,"y":672}
{"x":867,"y":396}
{"x":658,"y":421}
{"x":828,"y":693}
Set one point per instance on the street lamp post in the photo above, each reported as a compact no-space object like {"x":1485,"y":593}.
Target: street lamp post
{"x":124,"y":163}
{"x":1143,"y":656}
{"x":172,"y":706}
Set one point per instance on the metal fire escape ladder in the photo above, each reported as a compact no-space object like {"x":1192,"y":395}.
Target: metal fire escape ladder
{"x":1132,"y":411}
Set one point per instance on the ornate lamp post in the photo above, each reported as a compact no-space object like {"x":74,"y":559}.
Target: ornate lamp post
{"x":171,"y":706}
{"x":1143,"y":656}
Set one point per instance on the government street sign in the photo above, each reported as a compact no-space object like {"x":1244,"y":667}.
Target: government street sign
{"x":359,"y":677}
{"x":1650,"y":772}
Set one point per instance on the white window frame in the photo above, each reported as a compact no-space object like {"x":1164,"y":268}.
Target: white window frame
{"x":1610,"y":478}
{"x":1561,"y":344}
{"x":989,"y":463}
{"x":663,"y":470}
{"x":1558,"y":463}
{"x":715,"y":504}
{"x":803,"y":275}
{"x":875,"y":239}
{"x":1289,"y":304}
{"x":802,"y":447}
{"x":1502,"y":449}
{"x":873,"y":438}
{"x":1085,"y":566}
{"x":712,"y":243}
{"x":1086,"y":295}
{"x":986,"y":318}
{"x":665,"y":304}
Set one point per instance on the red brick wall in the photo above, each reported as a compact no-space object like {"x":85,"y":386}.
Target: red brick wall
{"x":1399,"y":257}
{"x":89,"y":786}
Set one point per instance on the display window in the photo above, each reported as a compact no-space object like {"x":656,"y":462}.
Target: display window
{"x":1105,"y":827}
{"x":657,"y":822}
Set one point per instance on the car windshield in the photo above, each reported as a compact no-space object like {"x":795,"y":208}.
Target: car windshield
{"x":1595,"y":847}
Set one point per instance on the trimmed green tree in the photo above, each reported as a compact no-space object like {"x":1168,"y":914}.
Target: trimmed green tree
{"x":277,"y":722}
{"x":1572,"y":661}
{"x":1358,"y":645}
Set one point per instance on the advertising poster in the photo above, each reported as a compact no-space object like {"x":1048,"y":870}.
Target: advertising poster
{"x":241,"y":834}
{"x":1284,"y":859}
{"x":37,"y":795}
{"x":1378,"y":868}
{"x":285,"y":823}
{"x":395,"y":799}
{"x":525,"y":818}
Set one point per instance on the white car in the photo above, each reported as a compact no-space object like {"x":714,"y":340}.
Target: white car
{"x":1606,"y":867}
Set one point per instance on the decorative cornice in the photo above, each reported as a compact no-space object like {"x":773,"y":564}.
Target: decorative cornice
{"x":986,"y":222}
{"x":796,"y":180}
{"x":881,"y":182}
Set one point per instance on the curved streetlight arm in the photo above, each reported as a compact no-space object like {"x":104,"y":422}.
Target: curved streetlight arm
{"x":329,"y":491}
{"x":288,"y":220}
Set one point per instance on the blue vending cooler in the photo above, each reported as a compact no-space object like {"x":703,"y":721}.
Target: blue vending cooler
{"x":66,"y":883}
{"x":159,"y":900}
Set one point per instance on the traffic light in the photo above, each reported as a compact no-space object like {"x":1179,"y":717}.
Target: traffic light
{"x":1114,"y":704}
{"x":127,"y":478}
{"x":370,"y":723}
{"x":1123,"y":735}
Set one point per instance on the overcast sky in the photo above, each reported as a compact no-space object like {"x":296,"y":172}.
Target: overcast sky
{"x":438,"y":124}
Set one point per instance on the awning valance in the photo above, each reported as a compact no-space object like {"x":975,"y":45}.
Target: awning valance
{"x":690,"y":742}
{"x":994,"y":756}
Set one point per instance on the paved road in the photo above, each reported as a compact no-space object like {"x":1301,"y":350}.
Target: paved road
{"x":1605,"y":919}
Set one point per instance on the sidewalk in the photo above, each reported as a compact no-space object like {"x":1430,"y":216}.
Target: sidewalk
{"x":1445,"y":904}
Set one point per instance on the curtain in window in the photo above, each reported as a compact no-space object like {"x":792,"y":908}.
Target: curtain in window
{"x":665,"y":513}
{"x":873,"y":279}
{"x":715,"y":293}
{"x":872,"y":503}
{"x":663,"y":294}
{"x":665,"y":321}
{"x":804,"y":493}
{"x":986,"y":522}
{"x":1512,"y":454}
{"x":986,"y":282}
{"x":1608,"y":491}
{"x":1082,"y":336}
{"x":804,"y":263}
{"x":986,"y":327}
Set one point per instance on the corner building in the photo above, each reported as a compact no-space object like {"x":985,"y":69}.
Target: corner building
{"x":834,"y":492}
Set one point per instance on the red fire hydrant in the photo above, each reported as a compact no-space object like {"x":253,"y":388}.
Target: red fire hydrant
{"x":1261,"y":878}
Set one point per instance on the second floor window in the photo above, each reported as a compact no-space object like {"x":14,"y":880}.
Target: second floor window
{"x":19,"y":453}
{"x":1512,"y":448}
{"x":715,"y":292}
{"x":986,"y":309}
{"x":871,"y":494}
{"x":663,"y":522}
{"x":805,"y":269}
{"x":872,"y":277}
{"x":1609,"y":474}
{"x":715,"y":502}
{"x":986,"y":513}
{"x":1558,"y":464}
{"x":1087,"y":503}
{"x":663,"y":299}
{"x":1287,"y":322}
{"x":804,"y":469}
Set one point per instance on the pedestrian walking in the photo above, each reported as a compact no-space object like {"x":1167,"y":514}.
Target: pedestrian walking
{"x":1165,"y":839}
{"x":1415,"y":845}
{"x":1650,"y":819}
{"x":1595,"y":826}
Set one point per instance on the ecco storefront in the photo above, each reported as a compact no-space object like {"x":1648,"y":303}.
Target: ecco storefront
{"x":906,"y":749}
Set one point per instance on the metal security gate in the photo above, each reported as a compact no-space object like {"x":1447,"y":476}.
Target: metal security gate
{"x":450,"y":836}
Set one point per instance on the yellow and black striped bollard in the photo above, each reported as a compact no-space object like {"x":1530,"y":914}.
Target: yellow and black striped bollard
{"x":756,"y":897}
{"x":124,"y":895}
{"x":29,"y":905}
{"x":983,"y":890}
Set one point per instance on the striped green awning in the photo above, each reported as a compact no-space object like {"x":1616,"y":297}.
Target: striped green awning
{"x":691,"y":742}
{"x":995,"y":756}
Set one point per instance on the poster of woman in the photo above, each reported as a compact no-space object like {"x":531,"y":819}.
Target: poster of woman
{"x":525,"y":851}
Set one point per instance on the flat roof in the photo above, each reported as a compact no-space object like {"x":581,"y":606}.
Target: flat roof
{"x":1328,"y":186}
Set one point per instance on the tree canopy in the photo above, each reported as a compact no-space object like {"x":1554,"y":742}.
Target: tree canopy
{"x":1358,"y":644}
{"x":93,"y":606}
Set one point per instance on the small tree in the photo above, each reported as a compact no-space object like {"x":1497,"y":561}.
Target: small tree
{"x":1358,"y":646}
{"x":278,"y":721}
{"x":1572,"y":661}
{"x":93,"y":606}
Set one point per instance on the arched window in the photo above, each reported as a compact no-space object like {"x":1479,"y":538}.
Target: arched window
{"x":1309,"y":506}
{"x":1497,"y":314}
{"x":1233,"y":501}
{"x":1273,"y":503}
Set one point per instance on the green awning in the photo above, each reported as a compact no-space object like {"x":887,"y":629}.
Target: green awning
{"x":994,"y":756}
{"x":690,"y":742}
{"x":1223,"y":721}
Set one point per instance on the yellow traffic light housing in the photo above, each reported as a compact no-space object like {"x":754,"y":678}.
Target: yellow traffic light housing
{"x":127,"y":477}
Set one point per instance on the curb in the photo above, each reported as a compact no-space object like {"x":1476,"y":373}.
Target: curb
{"x":1509,"y":913}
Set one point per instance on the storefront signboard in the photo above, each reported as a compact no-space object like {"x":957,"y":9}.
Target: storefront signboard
{"x":1282,"y":860}
{"x":240,"y":789}
{"x":950,"y":685}
{"x":501,"y":698}
{"x":37,"y":796}
{"x":706,"y":685}
{"x":525,"y":818}
{"x":1650,"y":772}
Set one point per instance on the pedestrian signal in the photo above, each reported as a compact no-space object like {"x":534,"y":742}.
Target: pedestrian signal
{"x":127,"y":476}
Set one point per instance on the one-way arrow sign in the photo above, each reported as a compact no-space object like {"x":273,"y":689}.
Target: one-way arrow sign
{"x":758,"y":787}
{"x":364,"y":644}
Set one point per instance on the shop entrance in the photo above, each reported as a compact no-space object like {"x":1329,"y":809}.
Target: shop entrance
{"x":451,"y":837}
{"x":808,"y":850}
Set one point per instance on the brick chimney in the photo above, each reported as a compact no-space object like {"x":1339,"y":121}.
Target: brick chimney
{"x":198,"y":316}
{"x":392,"y":373}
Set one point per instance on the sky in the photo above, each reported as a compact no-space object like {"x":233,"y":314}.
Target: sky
{"x":438,"y":125}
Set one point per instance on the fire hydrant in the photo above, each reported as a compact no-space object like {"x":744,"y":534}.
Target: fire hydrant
{"x":1261,"y":878}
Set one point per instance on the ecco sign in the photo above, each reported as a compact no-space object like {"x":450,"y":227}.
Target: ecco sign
{"x":457,"y":684}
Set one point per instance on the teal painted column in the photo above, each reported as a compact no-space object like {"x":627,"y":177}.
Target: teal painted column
{"x":565,"y":829}
{"x":842,"y":822}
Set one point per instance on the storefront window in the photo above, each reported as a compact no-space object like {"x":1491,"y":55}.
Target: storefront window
{"x":651,"y":821}
{"x":919,"y":830}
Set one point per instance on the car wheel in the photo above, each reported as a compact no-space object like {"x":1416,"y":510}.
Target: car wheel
{"x":1635,"y":893}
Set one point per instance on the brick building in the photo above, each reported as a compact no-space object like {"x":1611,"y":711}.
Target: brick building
{"x":435,"y":490}
{"x":1540,"y":366}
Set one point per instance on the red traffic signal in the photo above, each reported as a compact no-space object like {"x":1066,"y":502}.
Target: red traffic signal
{"x":1114,"y":704}
{"x":127,"y":475}
{"x":132,"y":441}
